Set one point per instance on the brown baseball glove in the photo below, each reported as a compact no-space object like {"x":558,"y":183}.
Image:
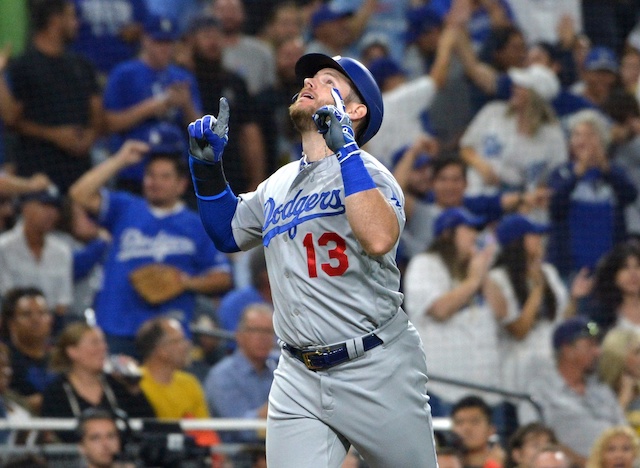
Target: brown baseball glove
{"x":157,"y":283}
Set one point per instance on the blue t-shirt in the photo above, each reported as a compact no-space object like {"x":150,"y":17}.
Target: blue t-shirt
{"x":141,"y":237}
{"x":131,"y":83}
{"x":99,"y":34}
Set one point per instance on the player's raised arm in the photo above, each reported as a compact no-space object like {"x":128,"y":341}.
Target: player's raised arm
{"x":208,"y":137}
{"x":371,"y":217}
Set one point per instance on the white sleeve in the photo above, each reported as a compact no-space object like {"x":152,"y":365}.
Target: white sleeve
{"x":410,"y":99}
{"x":501,"y":279}
{"x":426,"y":279}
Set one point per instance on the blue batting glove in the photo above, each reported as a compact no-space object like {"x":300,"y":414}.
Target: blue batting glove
{"x":209,"y":135}
{"x":336,"y":127}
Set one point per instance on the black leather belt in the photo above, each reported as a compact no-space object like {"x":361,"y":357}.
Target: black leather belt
{"x":328,"y":356}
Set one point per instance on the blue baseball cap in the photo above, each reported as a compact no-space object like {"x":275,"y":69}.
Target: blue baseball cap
{"x":326,"y":13}
{"x":161,"y":28}
{"x":601,"y":58}
{"x":572,"y":329}
{"x":421,"y":160}
{"x":421,"y":20}
{"x":454,"y":217}
{"x":384,"y":68}
{"x":516,"y":226}
{"x":165,"y":138}
{"x":50,"y":196}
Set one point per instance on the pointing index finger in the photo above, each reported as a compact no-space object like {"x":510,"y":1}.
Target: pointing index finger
{"x":338,"y":100}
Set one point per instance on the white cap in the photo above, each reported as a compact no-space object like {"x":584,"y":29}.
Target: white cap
{"x":538,"y":78}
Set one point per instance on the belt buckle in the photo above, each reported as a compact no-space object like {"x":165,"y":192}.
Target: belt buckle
{"x":306,"y":358}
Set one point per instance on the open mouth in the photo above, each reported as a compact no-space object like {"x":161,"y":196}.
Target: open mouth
{"x":307,"y":95}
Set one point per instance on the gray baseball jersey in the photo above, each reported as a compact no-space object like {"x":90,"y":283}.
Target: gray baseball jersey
{"x":327,"y":290}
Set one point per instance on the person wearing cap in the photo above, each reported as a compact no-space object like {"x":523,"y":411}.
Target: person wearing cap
{"x":530,"y":293}
{"x":145,"y":92}
{"x":329,"y":224}
{"x":515,"y":143}
{"x":330,"y":31}
{"x":156,"y":228}
{"x":587,"y":188}
{"x":57,"y":93}
{"x":599,"y":75}
{"x":574,"y":403}
{"x":204,"y":41}
{"x":32,"y":255}
{"x":446,"y":298}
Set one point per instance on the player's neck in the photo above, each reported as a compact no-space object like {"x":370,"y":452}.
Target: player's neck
{"x":314,"y":147}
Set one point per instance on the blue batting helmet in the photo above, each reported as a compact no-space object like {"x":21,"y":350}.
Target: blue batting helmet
{"x":365,"y":85}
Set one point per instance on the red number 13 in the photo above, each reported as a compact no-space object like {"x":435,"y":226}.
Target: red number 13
{"x":338,"y":252}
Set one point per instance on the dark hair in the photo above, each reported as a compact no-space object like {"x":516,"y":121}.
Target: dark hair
{"x":148,"y":336}
{"x":439,"y":164}
{"x":552,"y":50}
{"x":513,"y":259}
{"x":606,"y":291}
{"x":10,"y":303}
{"x":621,"y":105}
{"x":496,"y":41}
{"x":445,"y":247}
{"x":42,"y":10}
{"x":176,"y":159}
{"x":517,"y":439}
{"x":93,"y":414}
{"x":472,"y":401}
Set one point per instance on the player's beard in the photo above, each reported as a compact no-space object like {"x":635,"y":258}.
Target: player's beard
{"x":302,"y":118}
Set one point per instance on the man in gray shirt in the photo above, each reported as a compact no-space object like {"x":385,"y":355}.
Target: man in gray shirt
{"x":574,"y":403}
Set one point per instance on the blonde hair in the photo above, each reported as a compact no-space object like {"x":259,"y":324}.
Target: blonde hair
{"x":70,"y":336}
{"x":538,"y":112}
{"x":616,"y":345}
{"x":598,"y":447}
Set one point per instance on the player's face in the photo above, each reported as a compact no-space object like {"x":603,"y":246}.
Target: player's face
{"x":471,"y":425}
{"x":618,"y":452}
{"x":316,"y":93}
{"x":162,"y":185}
{"x":90,"y":352}
{"x":100,"y":443}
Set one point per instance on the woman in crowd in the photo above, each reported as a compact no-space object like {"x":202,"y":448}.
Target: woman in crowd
{"x":514,"y":144}
{"x":619,"y":367}
{"x":616,"y":291}
{"x":79,"y":355}
{"x":617,"y":447}
{"x":526,"y":442}
{"x":12,"y":408}
{"x":588,"y":188}
{"x":531,"y":297}
{"x":446,"y":298}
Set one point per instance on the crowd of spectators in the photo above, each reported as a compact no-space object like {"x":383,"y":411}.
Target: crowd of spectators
{"x":512,"y":126}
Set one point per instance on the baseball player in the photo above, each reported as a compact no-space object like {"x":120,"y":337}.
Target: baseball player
{"x":352,"y":370}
